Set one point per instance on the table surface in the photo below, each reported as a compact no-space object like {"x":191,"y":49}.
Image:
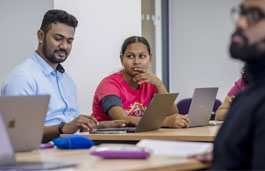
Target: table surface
{"x":202,"y":134}
{"x":88,"y":162}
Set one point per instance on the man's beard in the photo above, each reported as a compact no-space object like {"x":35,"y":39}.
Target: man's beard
{"x":245,"y":52}
{"x":50,"y":56}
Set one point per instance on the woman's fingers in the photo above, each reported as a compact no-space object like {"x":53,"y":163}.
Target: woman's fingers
{"x":182,"y":120}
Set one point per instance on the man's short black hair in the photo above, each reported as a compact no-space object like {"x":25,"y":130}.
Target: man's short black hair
{"x":54,"y":16}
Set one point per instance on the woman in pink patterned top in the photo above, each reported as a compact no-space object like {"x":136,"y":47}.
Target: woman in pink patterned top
{"x":239,"y":86}
{"x":126,"y":94}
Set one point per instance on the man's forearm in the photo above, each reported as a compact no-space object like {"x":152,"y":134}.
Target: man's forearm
{"x":49,"y":133}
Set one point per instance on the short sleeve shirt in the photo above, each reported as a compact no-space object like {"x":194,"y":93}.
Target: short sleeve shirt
{"x":239,"y":85}
{"x":134,"y":101}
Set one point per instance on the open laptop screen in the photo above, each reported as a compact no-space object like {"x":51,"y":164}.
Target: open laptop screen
{"x":24,"y":114}
{"x":7,"y":156}
{"x":201,"y":106}
{"x":6,"y":149}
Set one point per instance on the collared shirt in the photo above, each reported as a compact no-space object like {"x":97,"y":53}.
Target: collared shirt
{"x":36,"y":77}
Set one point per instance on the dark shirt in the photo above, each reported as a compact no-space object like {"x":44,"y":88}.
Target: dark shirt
{"x":109,"y":102}
{"x":240,"y":142}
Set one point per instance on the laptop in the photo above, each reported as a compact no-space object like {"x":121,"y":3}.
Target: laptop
{"x":8,"y":160}
{"x":24,"y":118}
{"x":201,"y":106}
{"x":153,"y":117}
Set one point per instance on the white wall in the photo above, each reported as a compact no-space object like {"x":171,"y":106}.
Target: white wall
{"x":200,"y":36}
{"x":20,"y":20}
{"x":103,"y":26}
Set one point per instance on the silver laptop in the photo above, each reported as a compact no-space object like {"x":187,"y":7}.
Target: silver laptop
{"x":8,"y":160}
{"x":201,"y":106}
{"x":24,"y":118}
{"x":153,"y":117}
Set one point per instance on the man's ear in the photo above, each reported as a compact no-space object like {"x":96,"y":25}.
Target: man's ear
{"x":41,"y":36}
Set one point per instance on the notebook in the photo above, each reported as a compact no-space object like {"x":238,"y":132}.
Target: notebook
{"x":8,"y":160}
{"x":24,"y":118}
{"x":201,"y":106}
{"x":153,"y":117}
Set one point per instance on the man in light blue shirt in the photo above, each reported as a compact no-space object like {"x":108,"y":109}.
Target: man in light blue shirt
{"x":36,"y":77}
{"x":43,"y":74}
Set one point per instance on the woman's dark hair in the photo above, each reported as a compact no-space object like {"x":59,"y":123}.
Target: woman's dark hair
{"x":135,"y":39}
{"x":245,"y":75}
{"x":54,"y":16}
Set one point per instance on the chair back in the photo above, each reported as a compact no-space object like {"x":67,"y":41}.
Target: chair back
{"x":184,"y":105}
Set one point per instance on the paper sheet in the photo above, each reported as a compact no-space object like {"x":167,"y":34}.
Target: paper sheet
{"x":180,"y":149}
